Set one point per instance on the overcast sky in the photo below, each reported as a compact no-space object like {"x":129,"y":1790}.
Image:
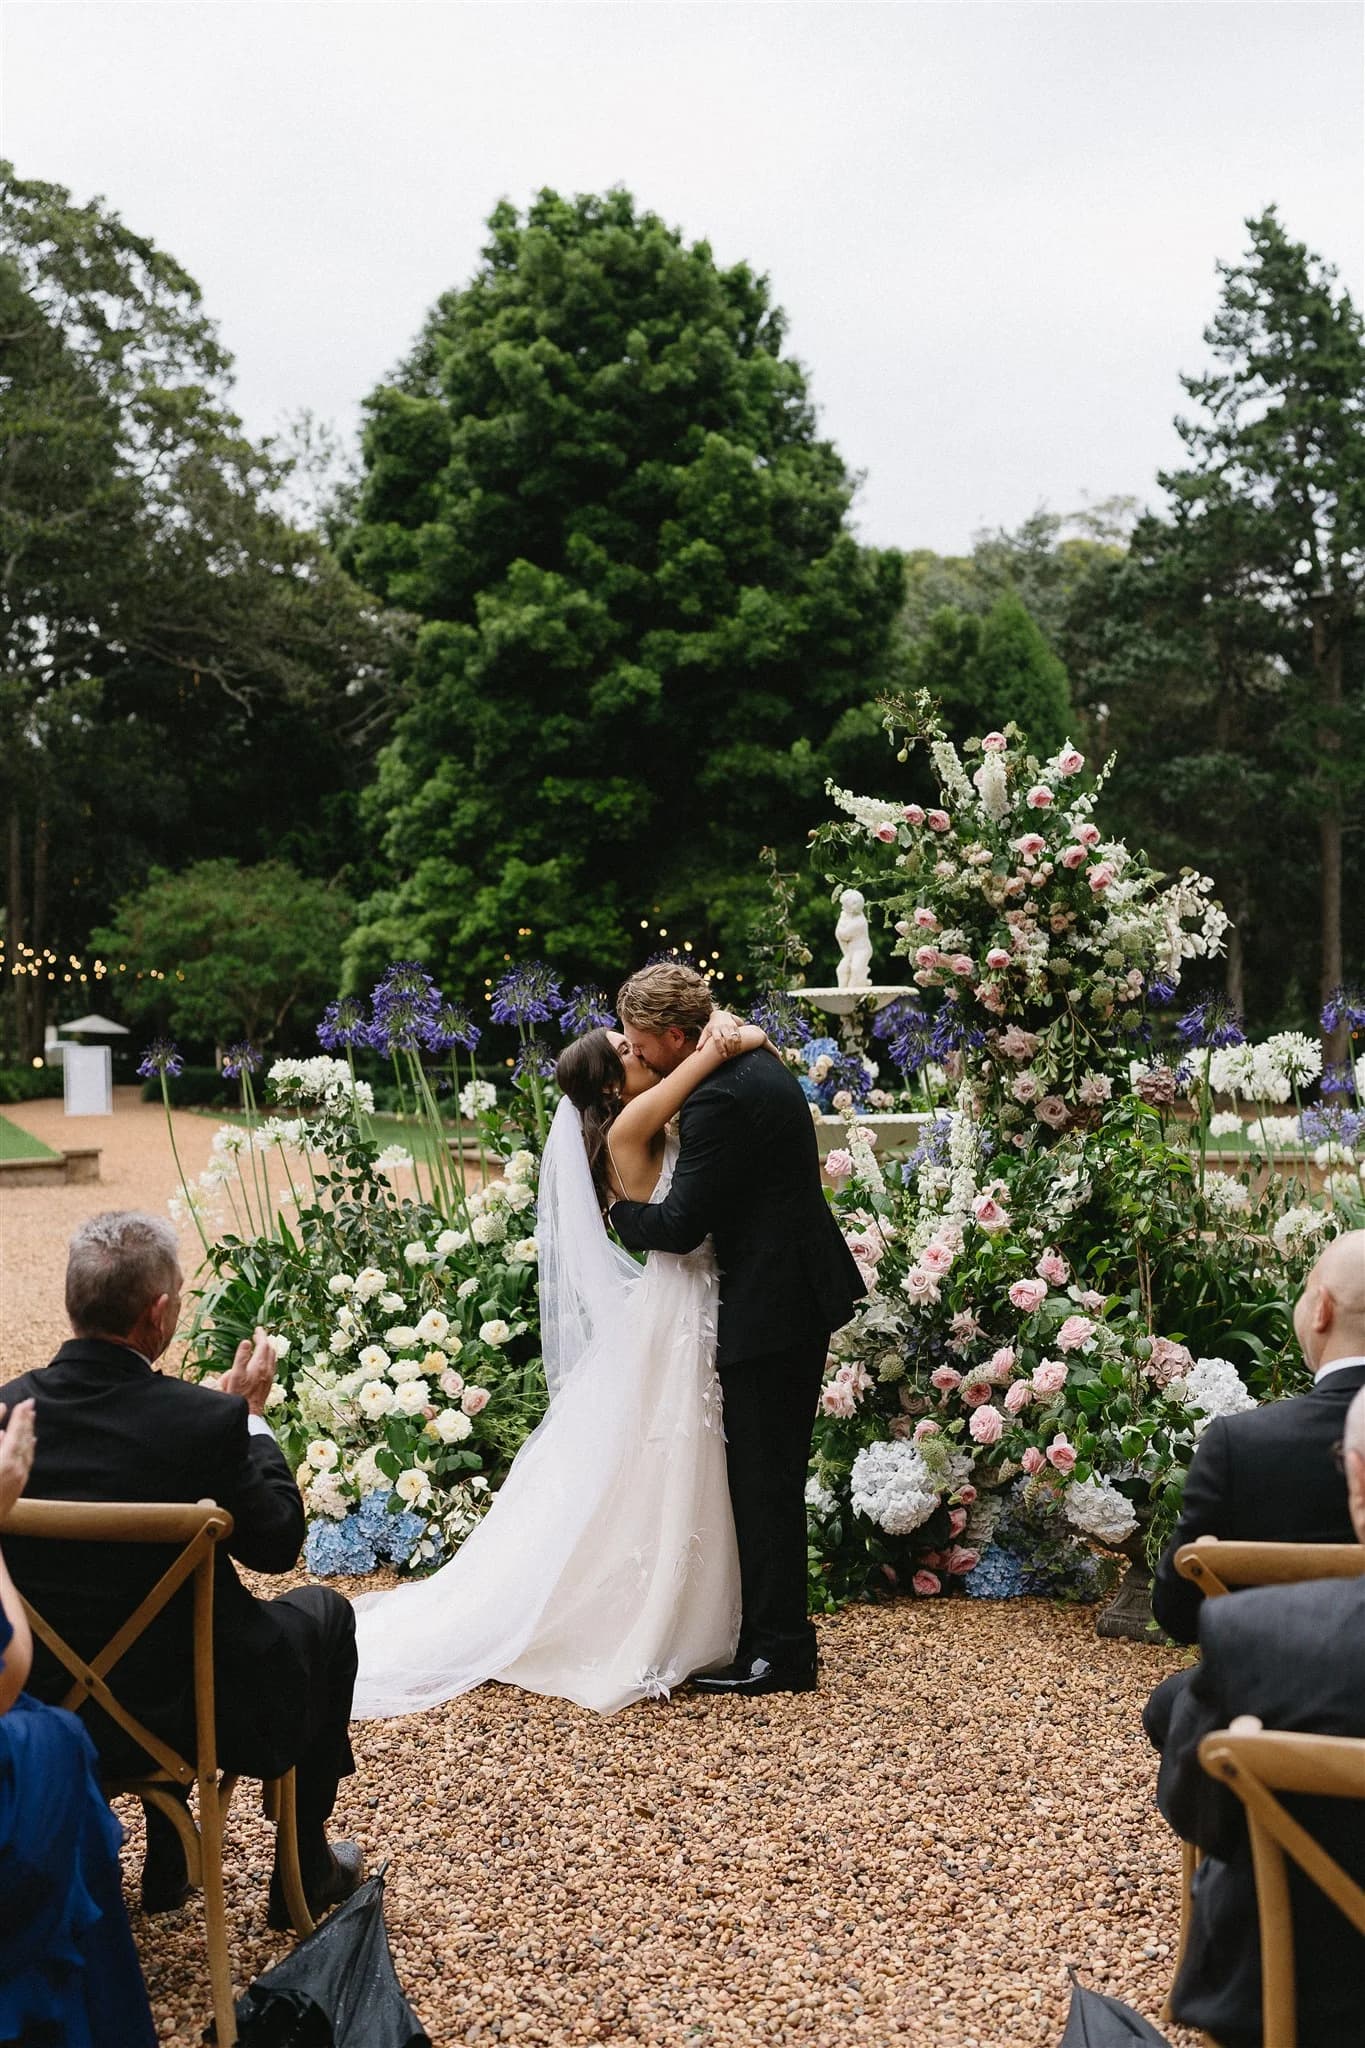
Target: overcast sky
{"x":993,"y":226}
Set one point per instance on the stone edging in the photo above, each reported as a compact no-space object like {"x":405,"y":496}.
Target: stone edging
{"x":80,"y":1163}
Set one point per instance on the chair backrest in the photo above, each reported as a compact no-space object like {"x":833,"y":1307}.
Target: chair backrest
{"x":197,"y":1529}
{"x":1256,"y":1766}
{"x":1219,"y":1567}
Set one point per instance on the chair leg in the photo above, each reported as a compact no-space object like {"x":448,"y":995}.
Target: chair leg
{"x":279,"y":1802}
{"x":215,"y":1913}
{"x":1189,"y":1861}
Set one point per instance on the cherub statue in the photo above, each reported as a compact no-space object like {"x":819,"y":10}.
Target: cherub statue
{"x":855,"y":942}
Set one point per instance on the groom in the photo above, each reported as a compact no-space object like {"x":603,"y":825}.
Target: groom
{"x":748,"y":1176}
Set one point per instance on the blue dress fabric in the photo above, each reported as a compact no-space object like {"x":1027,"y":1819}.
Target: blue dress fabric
{"x":69,"y":1974}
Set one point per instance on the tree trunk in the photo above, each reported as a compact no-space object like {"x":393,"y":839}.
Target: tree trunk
{"x":15,"y":930}
{"x":38,"y":990}
{"x":1235,"y":980}
{"x":1328,"y":660}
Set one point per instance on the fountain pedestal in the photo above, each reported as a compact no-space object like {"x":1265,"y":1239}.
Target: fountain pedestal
{"x":897,"y":1131}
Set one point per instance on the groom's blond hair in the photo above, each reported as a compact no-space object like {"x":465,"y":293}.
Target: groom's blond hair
{"x":664,"y":997}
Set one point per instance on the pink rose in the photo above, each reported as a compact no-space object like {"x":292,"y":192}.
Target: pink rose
{"x":1089,"y":835}
{"x":1002,"y":1364}
{"x":474,"y":1400}
{"x":1039,"y":797}
{"x":1028,"y":1295}
{"x":1031,"y":845}
{"x":945,"y":1379}
{"x":1018,"y":1397}
{"x":919,"y":1285}
{"x":1101,"y":876}
{"x":865,"y":1249}
{"x":913,"y":815}
{"x":927,"y":956}
{"x":838,"y":1399}
{"x":966,"y":1494}
{"x":1024,"y":1087}
{"x":1070,"y":762}
{"x":1096,"y":1088}
{"x":842,"y":1101}
{"x":989,"y":1214}
{"x":925,"y":919}
{"x":957,"y":1521}
{"x":451,"y":1384}
{"x":939,"y":821}
{"x":926,"y":1584}
{"x":1092,"y":1301}
{"x":964,"y":1325}
{"x":1060,"y":1455}
{"x":961,"y":1561}
{"x":1017,"y":1044}
{"x":1072,"y":857}
{"x":1050,"y":1377}
{"x":990,"y":998}
{"x":926,"y":1428}
{"x":995,"y":743}
{"x":1075,"y":1332}
{"x":839,"y":1165}
{"x":987,"y":1426}
{"x":961,"y":963}
{"x":899,"y":1427}
{"x":1053,"y":1268}
{"x":1053,"y":1112}
{"x":936,"y":1258}
{"x":887,"y":834}
{"x":976,"y":1393}
{"x":1032,"y":1461}
{"x":997,"y":957}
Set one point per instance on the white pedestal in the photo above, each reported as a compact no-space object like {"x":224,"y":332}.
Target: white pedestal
{"x":87,"y":1081}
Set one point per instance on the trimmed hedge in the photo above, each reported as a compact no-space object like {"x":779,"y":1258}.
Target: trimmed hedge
{"x":196,"y":1088}
{"x":29,"y":1084}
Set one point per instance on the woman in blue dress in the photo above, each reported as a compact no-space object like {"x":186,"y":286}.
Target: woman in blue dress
{"x":69,"y":1975}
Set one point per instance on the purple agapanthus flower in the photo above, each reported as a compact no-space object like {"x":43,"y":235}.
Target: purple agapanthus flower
{"x":527,"y":994}
{"x":1332,"y":1126}
{"x":951,"y":1035}
{"x":452,"y":1025}
{"x":783,"y":1020}
{"x":905,"y":1031}
{"x":344,"y":1024}
{"x":1345,"y":1005}
{"x":161,"y":1057}
{"x":586,"y":1009}
{"x":404,"y":1004}
{"x":535,"y":1057}
{"x":1159,"y":990}
{"x":1210,"y":1026}
{"x":240,"y":1059}
{"x":1338,"y":1078}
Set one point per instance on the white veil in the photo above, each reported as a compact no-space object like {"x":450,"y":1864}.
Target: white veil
{"x":586,"y":1280}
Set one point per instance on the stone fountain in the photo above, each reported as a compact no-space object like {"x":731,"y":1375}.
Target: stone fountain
{"x":856,"y":995}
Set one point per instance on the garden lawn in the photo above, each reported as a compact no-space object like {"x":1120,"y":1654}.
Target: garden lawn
{"x":19,"y":1144}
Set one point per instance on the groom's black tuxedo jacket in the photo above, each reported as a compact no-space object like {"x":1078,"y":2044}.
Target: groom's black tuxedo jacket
{"x":748,"y":1176}
{"x":1268,"y":1476}
{"x":111,"y":1428}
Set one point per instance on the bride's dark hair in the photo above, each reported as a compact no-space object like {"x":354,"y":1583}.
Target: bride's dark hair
{"x":590,"y":1073}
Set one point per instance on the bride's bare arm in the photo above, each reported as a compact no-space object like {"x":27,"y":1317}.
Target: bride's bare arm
{"x":631,"y":1141}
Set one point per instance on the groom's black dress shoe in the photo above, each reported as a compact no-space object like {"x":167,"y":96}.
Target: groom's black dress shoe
{"x":749,"y":1676}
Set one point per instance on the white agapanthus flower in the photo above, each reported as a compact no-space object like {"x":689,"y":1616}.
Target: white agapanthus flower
{"x":1333,"y":1153}
{"x":476,"y":1097}
{"x":891,"y":1485}
{"x":1213,"y":1386}
{"x":1227,"y":1196}
{"x":1275,"y":1133}
{"x":323,"y":1080}
{"x":392,"y":1159}
{"x":1296,"y":1055}
{"x":467,"y":1287}
{"x":1225,"y":1124}
{"x":1297,"y":1230}
{"x":1346,"y":1187}
{"x":1099,"y":1510}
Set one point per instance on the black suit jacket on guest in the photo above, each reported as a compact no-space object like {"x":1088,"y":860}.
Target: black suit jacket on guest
{"x":1268,"y":1476}
{"x":1295,"y":1657}
{"x":748,"y":1176}
{"x":111,"y":1428}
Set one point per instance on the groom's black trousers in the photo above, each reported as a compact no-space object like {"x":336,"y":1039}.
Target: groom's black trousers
{"x":770,"y":1404}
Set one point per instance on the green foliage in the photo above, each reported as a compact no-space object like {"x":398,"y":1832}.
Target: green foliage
{"x":988,"y":670}
{"x":29,"y":1084}
{"x":598,"y":481}
{"x":250,"y":944}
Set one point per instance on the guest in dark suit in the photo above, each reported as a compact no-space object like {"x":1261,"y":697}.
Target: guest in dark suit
{"x":1269,"y":1476}
{"x":748,"y":1176}
{"x":112,"y":1428}
{"x":1294,"y":1658}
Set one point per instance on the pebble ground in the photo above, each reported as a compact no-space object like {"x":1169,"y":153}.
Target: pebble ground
{"x":912,"y":1855}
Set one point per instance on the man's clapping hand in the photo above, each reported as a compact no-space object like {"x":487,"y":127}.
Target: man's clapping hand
{"x":16,"y":1454}
{"x":252,"y":1372}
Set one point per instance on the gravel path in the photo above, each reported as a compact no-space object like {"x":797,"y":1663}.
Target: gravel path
{"x":910,"y":1856}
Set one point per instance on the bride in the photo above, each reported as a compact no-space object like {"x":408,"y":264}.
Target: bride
{"x":605,"y":1571}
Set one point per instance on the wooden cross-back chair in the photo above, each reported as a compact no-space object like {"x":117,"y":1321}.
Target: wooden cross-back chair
{"x":1256,"y":1766}
{"x":198,"y":1530}
{"x":1219,"y":1567}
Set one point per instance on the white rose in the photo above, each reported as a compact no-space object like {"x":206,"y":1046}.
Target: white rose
{"x":341,"y":1283}
{"x":277,"y":1397}
{"x":373,"y":1361}
{"x":404,"y":1369}
{"x":452,"y":1426}
{"x":369,"y":1282}
{"x":323,"y":1454}
{"x":413,"y":1487}
{"x":375,"y":1400}
{"x":494,"y":1332}
{"x":521,"y":1168}
{"x":416,"y":1253}
{"x":454,"y":1345}
{"x":402,"y":1337}
{"x":520,"y":1197}
{"x":450,"y":1241}
{"x":345,"y":1320}
{"x":412,"y":1397}
{"x":340,"y":1342}
{"x":281,"y":1347}
{"x":466,"y":1288}
{"x":392,"y":1304}
{"x":526,"y":1252}
{"x":433,"y":1327}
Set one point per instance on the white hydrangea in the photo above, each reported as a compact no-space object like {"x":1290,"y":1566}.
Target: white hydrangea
{"x":1213,"y":1386}
{"x":1298,"y":1230}
{"x":819,"y":1499}
{"x":1097,"y":1508}
{"x":326,"y":1495}
{"x":892,"y":1486}
{"x":365,"y":1473}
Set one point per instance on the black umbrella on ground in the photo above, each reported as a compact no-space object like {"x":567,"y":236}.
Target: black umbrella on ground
{"x":337,"y":1989}
{"x":1095,"y":2021}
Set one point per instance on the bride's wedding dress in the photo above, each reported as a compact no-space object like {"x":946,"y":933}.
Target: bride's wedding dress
{"x":605,"y":1571}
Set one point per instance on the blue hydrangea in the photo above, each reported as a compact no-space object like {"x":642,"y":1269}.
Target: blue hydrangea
{"x":391,"y":1535}
{"x":1000,"y":1575}
{"x":338,"y":1549}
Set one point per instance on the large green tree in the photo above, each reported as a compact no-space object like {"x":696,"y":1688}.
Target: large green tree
{"x":649,"y":632}
{"x":183,"y":671}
